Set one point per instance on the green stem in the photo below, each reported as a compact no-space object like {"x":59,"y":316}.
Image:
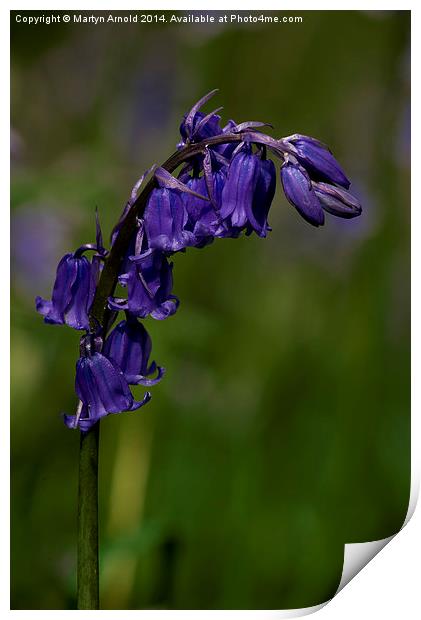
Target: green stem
{"x":87,"y":543}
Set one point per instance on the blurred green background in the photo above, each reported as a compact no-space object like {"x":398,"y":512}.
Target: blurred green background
{"x":281,"y":430}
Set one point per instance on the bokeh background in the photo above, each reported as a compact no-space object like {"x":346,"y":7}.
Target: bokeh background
{"x":281,"y":430}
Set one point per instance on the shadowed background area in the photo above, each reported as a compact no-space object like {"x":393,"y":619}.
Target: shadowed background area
{"x":281,"y":429}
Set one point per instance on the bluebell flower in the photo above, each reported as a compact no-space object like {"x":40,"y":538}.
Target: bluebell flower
{"x":262,"y":197}
{"x":248,"y":191}
{"x":129,"y":345}
{"x":204,"y":219}
{"x":300,"y":193}
{"x":166,"y":216}
{"x":73,"y":292}
{"x":149,"y":285}
{"x":102,"y":389}
{"x":237,"y":195}
{"x":74,"y":287}
{"x":165,"y":221}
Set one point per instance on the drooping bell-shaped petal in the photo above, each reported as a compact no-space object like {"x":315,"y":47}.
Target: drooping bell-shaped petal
{"x":53,"y":311}
{"x":300,"y":193}
{"x":165,"y":219}
{"x":149,"y":284}
{"x":130,"y":345}
{"x":73,"y":292}
{"x":203,"y":216}
{"x":225,"y":229}
{"x":319,"y":161}
{"x":102,"y":389}
{"x":194,"y":206}
{"x":337,"y":201}
{"x":219,"y":178}
{"x":262,"y":197}
{"x":77,"y":313}
{"x":239,"y":188}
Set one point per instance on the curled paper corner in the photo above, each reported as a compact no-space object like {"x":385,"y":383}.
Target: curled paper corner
{"x":358,"y":555}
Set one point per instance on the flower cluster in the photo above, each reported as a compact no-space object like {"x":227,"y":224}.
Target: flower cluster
{"x":225,"y":186}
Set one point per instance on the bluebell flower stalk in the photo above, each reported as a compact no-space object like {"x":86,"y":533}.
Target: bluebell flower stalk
{"x":224,"y":186}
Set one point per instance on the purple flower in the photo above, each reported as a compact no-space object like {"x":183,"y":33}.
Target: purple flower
{"x":237,"y":195}
{"x":73,"y":292}
{"x":248,"y":192}
{"x":149,"y":284}
{"x":318,"y":160}
{"x":204,"y":219}
{"x":165,"y":215}
{"x":165,"y":220}
{"x":337,"y":201}
{"x":300,"y":193}
{"x":262,"y":197}
{"x":102,"y":389}
{"x":129,"y":346}
{"x":225,"y":187}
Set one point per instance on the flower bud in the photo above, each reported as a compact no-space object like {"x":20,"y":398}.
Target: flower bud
{"x":319,"y":161}
{"x":299,"y":192}
{"x":337,"y":201}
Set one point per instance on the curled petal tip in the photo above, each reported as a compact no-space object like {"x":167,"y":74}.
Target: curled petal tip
{"x":137,"y":404}
{"x":190,"y":116}
{"x":142,"y":380}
